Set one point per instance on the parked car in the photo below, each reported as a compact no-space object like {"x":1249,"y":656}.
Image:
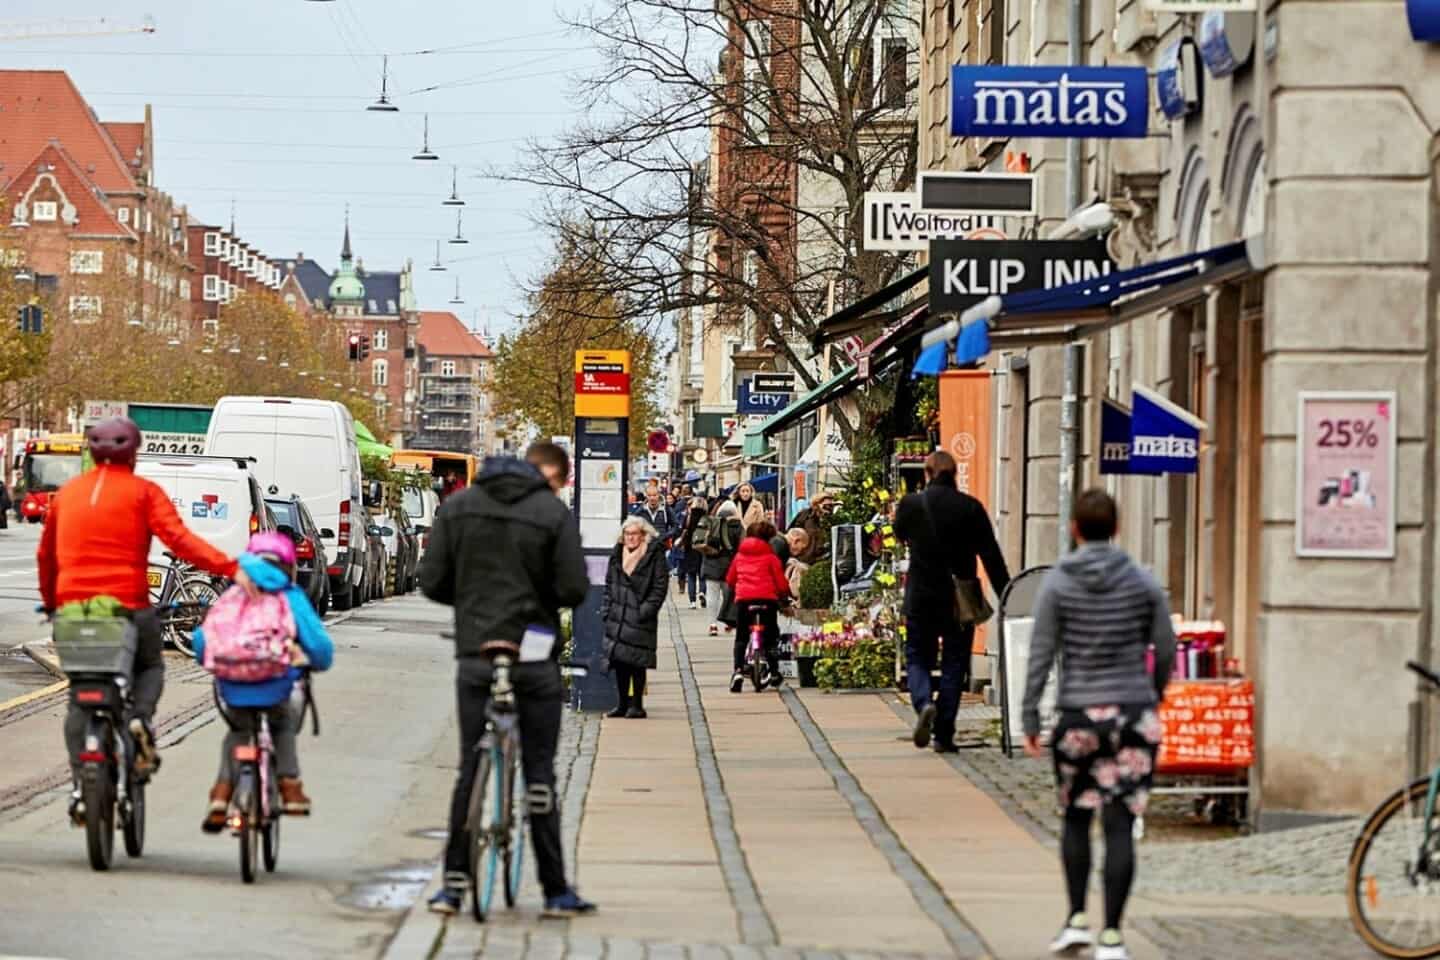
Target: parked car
{"x":377,"y":564}
{"x":402,"y":547}
{"x":293,"y":518}
{"x":217,"y":497}
{"x":306,"y":447}
{"x":420,"y":507}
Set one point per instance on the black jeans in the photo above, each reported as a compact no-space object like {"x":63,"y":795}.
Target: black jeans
{"x":768,"y":613}
{"x":539,"y":697}
{"x":922,"y":644}
{"x":630,"y":684}
{"x":149,"y":683}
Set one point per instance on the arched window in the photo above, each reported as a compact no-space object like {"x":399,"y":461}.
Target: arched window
{"x":1192,"y":213}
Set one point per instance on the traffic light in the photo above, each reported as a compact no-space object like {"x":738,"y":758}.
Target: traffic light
{"x":364,"y":347}
{"x":31,"y":319}
{"x":354,"y":348}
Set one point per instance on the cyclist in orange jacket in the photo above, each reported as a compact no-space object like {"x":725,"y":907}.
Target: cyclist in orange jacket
{"x":96,"y":542}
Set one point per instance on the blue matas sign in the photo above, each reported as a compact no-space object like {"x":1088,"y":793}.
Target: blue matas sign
{"x":1164,"y":438}
{"x":1057,"y":102}
{"x":747,"y":402}
{"x":1115,"y":438}
{"x":1424,"y":17}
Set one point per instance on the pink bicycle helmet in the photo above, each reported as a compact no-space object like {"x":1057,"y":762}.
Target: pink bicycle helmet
{"x":273,"y":546}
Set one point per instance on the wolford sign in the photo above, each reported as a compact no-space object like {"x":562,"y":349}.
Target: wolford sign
{"x":1057,"y":102}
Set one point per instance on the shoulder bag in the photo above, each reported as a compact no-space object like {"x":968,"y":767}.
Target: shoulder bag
{"x":971,"y":605}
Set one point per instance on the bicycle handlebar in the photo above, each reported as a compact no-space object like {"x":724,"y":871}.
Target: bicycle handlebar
{"x":1424,"y":672}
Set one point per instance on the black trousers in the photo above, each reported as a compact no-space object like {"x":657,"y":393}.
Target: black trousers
{"x":923,"y":634}
{"x":768,"y":614}
{"x":628,"y":678}
{"x":148,"y":678}
{"x":540,"y":697}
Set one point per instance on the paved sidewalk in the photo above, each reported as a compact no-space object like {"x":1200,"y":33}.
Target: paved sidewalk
{"x":803,"y":824}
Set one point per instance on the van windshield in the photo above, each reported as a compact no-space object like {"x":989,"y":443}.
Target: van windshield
{"x":414,"y":506}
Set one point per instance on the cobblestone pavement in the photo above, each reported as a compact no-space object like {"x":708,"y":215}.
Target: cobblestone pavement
{"x":502,"y":944}
{"x":1231,"y":938}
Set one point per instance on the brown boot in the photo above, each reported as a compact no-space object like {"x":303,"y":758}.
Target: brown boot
{"x":219,"y":804}
{"x":292,"y":797}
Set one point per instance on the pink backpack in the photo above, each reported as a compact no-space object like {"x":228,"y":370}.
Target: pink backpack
{"x":248,"y":641}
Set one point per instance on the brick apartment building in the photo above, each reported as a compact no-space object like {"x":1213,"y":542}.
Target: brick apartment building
{"x":378,"y":304}
{"x":81,"y":213}
{"x":223,"y":266}
{"x":455,"y":376}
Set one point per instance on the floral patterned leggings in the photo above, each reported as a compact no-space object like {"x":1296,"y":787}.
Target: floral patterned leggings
{"x":1105,"y":761}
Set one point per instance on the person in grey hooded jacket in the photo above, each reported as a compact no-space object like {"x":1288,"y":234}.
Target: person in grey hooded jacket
{"x":1100,"y":613}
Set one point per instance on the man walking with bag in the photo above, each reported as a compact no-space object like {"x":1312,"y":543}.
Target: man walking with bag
{"x":947,"y":531}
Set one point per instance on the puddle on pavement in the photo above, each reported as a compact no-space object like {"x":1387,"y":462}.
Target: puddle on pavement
{"x":393,"y":888}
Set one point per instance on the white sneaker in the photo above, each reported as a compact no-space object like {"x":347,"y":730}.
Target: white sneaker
{"x":1074,"y":937}
{"x":1111,"y":946}
{"x":692,"y":604}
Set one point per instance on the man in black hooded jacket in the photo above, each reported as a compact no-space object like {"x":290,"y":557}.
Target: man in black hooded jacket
{"x":505,"y":553}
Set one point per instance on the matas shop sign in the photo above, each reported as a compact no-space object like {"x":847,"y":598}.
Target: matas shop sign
{"x":894,"y":221}
{"x":964,"y":272}
{"x":1055,"y":102}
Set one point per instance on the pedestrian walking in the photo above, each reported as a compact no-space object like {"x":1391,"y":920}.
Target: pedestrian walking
{"x":1100,"y":613}
{"x":722,"y":539}
{"x":656,"y":513}
{"x":635,"y":586}
{"x":691,"y":558}
{"x":947,"y":531}
{"x":752,"y":510}
{"x":675,"y":557}
{"x":5,"y":503}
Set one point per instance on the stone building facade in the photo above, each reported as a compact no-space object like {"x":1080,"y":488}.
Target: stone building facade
{"x":1323,"y":143}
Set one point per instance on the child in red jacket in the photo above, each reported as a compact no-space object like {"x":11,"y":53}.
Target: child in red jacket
{"x":758,"y":580}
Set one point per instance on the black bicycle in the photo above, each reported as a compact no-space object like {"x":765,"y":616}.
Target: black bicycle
{"x":182,"y":595}
{"x":98,"y":656}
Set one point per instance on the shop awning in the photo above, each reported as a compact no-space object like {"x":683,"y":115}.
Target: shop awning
{"x":854,"y":318}
{"x":369,"y":446}
{"x":1063,"y":314}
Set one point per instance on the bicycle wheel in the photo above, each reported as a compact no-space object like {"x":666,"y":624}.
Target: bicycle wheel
{"x":249,"y":833}
{"x":484,"y":851}
{"x":98,"y":789}
{"x":757,"y":671}
{"x":515,"y":848}
{"x":1394,"y":905}
{"x":271,"y":838}
{"x":198,"y":595}
{"x":133,"y":820}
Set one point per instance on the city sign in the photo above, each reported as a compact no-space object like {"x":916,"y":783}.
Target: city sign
{"x":1164,"y":437}
{"x":772,"y":383}
{"x":964,"y":272}
{"x":748,"y":402}
{"x":896,"y":222}
{"x":1012,"y":194}
{"x":602,"y":383}
{"x":1055,"y":102}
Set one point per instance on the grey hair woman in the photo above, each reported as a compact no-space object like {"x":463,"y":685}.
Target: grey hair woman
{"x":635,"y":587}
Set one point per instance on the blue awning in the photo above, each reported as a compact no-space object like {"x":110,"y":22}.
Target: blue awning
{"x":1063,"y":314}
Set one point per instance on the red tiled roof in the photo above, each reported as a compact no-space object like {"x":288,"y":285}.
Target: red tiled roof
{"x":129,"y":140}
{"x":38,"y":106}
{"x":443,"y":335}
{"x":93,"y":216}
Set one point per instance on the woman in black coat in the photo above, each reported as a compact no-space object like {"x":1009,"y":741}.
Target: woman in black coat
{"x":635,"y":590}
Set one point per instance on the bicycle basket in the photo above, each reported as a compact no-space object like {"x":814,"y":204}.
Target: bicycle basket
{"x":101,"y":645}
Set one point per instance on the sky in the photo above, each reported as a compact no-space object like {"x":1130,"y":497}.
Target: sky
{"x":262,"y":103}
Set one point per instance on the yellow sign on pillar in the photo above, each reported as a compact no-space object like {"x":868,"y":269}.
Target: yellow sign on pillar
{"x":602,"y":383}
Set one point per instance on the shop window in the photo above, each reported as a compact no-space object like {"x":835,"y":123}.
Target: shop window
{"x":45,"y":210}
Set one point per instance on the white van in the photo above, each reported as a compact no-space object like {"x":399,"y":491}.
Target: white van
{"x":420,"y":507}
{"x":217,"y":497}
{"x":308,"y":448}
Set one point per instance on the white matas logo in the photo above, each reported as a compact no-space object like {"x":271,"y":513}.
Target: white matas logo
{"x":1164,"y":447}
{"x":1065,"y":102}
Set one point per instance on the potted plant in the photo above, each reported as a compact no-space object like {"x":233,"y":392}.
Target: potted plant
{"x":808,"y":649}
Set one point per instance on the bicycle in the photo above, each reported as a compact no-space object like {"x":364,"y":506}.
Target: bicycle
{"x":255,"y":810}
{"x":1393,"y":876}
{"x":181,"y":596}
{"x":98,"y":657}
{"x":497,"y":834}
{"x":757,"y":668}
